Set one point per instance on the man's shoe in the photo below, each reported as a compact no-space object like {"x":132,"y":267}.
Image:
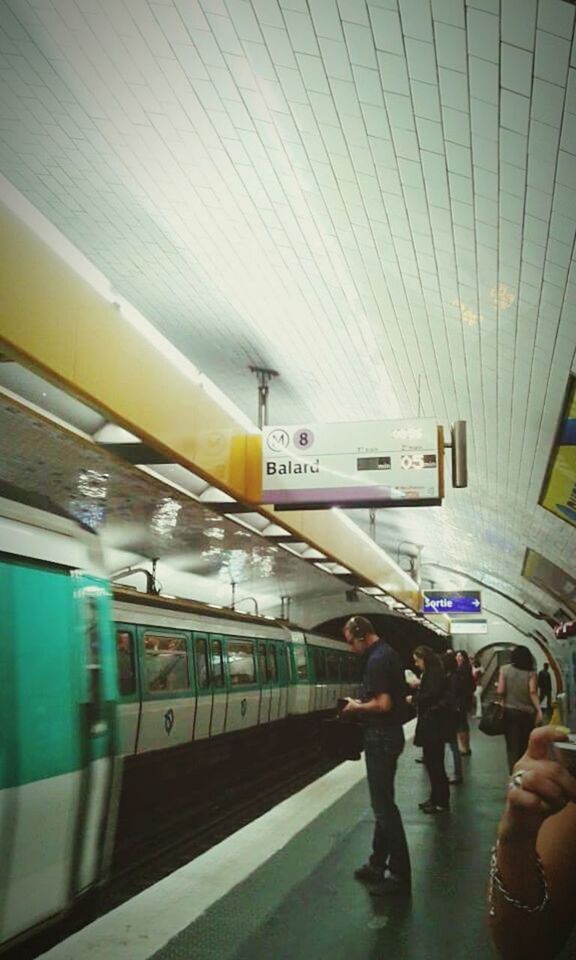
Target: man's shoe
{"x":434,"y":808}
{"x":390,"y":886}
{"x":369,"y":874}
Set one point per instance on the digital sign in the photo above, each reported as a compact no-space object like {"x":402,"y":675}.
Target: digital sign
{"x":370,"y":463}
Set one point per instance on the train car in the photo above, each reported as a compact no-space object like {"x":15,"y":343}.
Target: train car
{"x":93,"y":683}
{"x":58,"y":767}
{"x":187,"y":673}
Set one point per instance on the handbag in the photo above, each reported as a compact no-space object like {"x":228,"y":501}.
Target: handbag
{"x":492,"y":721}
{"x":341,"y":739}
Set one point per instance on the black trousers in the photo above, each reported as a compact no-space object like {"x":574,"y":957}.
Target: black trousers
{"x":434,"y":762}
{"x":517,"y":727}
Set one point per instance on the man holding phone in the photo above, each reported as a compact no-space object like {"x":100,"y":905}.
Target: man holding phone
{"x":380,"y":707}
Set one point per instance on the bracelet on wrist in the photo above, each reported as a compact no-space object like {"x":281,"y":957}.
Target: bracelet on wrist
{"x":496,"y":885}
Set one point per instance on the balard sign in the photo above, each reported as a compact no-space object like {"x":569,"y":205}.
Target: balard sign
{"x":379,"y":462}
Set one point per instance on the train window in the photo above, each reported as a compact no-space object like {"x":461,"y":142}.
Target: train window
{"x":241,"y":662}
{"x":332,"y":666}
{"x":301,"y":662}
{"x":217,"y":666}
{"x":125,"y":663}
{"x":202,"y":674}
{"x":93,"y":664}
{"x":262,"y":662}
{"x":319,"y":664}
{"x":272,"y":664}
{"x":166,"y":662}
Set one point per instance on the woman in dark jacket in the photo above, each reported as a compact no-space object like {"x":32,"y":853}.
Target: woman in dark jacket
{"x":465,"y":695}
{"x":431,"y":727}
{"x":451,"y":671}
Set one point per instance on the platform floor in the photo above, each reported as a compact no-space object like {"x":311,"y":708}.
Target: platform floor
{"x":263,"y":896}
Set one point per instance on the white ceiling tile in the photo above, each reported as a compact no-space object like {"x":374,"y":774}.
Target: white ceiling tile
{"x":450,"y":47}
{"x":393,"y":73}
{"x":485,"y":153}
{"x":326,"y":19}
{"x":400,"y":112}
{"x":541,"y":175}
{"x":538,"y":204}
{"x":449,"y":11}
{"x":552,"y":58}
{"x":425,"y":100}
{"x":313,"y":74}
{"x":430,"y":135}
{"x":456,"y":127}
{"x":547,"y":103}
{"x":516,"y":69}
{"x":556,"y":18}
{"x":484,"y":119}
{"x":454,"y":90}
{"x":514,"y":111}
{"x":483,"y":35}
{"x":368,"y":86}
{"x":405,"y":143}
{"x":301,"y":31}
{"x":416,"y":19}
{"x":387,"y":30}
{"x":519,"y":22}
{"x":353,"y":12}
{"x":460,"y":187}
{"x":421,"y":60}
{"x":484,"y":80}
{"x":360,"y":44}
{"x":346,"y":99}
{"x":279,"y":46}
{"x":566,"y":171}
{"x":513,"y":148}
{"x":568,"y":139}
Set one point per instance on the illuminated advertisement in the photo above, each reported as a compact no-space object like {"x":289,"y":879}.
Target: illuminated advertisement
{"x":550,"y":578}
{"x":559,"y":488}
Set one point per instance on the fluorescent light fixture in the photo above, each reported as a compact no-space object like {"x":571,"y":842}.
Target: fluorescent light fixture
{"x":313,"y":554}
{"x":254,"y":522}
{"x":273,"y":530}
{"x":214,"y":495}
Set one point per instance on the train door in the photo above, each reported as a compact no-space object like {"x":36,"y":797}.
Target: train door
{"x":130,"y":707}
{"x":168,"y":704}
{"x":97,"y":689}
{"x":265,"y":688}
{"x":219,"y":693}
{"x":283,"y":678}
{"x":243,"y":689}
{"x":273,"y":679}
{"x":204,"y":690}
{"x":320,"y":678}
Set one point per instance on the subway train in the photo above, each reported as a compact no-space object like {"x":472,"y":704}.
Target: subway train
{"x":95,"y":680}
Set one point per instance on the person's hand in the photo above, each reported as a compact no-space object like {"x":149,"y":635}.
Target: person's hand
{"x":538,"y":787}
{"x":350,"y":705}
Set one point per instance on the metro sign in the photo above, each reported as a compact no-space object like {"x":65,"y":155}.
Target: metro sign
{"x":452,"y":601}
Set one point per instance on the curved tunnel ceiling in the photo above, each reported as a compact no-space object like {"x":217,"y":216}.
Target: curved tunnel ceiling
{"x":391,"y":186}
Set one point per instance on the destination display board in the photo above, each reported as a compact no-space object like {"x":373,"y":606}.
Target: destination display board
{"x":369,"y":463}
{"x":452,"y":602}
{"x":559,"y":489}
{"x":550,"y":578}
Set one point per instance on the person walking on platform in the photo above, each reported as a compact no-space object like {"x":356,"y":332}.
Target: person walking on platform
{"x":450,"y":669}
{"x":380,"y":708}
{"x":517,"y":689}
{"x":531,"y":900}
{"x":465,"y":700}
{"x":477,"y":674}
{"x":545,"y":688}
{"x":432,"y":727}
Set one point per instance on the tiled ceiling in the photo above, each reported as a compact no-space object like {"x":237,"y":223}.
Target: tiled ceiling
{"x":376,"y":199}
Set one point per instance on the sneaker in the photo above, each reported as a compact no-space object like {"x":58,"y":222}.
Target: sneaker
{"x":369,"y":874}
{"x":391,"y":885}
{"x":434,"y":808}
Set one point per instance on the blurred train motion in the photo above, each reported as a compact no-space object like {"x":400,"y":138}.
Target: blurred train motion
{"x":96,"y":682}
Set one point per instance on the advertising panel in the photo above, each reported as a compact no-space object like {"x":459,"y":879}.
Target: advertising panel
{"x":559,"y":488}
{"x":372,"y":463}
{"x":550,"y":578}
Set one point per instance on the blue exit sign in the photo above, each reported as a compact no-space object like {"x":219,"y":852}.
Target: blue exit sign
{"x":452,"y":601}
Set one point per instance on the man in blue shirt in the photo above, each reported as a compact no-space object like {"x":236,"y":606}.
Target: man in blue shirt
{"x":380,"y":709}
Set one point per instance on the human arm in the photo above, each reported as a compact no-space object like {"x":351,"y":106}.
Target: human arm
{"x":533,"y":692}
{"x":501,"y":685}
{"x":539,"y":817}
{"x":379,"y":703}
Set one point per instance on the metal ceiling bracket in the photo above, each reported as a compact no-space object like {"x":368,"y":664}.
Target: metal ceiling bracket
{"x":459,"y":453}
{"x":264,"y":375}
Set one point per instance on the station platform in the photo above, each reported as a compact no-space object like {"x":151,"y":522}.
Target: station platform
{"x":282,"y":888}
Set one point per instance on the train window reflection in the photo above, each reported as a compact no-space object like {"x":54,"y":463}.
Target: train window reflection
{"x":272,"y":664}
{"x":262,"y":663}
{"x":125,"y":661}
{"x":301,"y":663}
{"x":202,"y":674}
{"x":166,"y":662}
{"x":241,"y":663}
{"x":217,"y":665}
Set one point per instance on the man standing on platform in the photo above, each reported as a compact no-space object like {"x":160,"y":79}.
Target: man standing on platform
{"x":380,"y":709}
{"x":545,"y":688}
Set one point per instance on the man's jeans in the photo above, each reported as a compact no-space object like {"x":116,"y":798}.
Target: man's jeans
{"x":382,"y":747}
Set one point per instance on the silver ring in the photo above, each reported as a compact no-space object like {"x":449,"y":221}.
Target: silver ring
{"x":516,"y":780}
